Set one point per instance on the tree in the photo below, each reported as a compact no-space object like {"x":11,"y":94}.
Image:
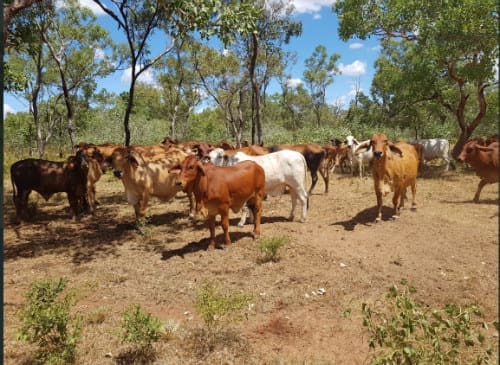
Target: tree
{"x":456,"y":42}
{"x":76,"y":44}
{"x":318,"y":75}
{"x":141,"y":19}
{"x":10,"y":10}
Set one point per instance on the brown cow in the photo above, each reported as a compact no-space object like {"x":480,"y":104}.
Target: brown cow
{"x":420,"y":153}
{"x":47,"y":178}
{"x":314,"y":155}
{"x":395,"y":166}
{"x":217,"y":189}
{"x":328,"y":164}
{"x":145,"y":175}
{"x":484,"y":161}
{"x":341,"y":157}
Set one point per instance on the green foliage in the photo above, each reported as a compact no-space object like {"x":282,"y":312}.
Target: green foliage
{"x":269,"y":248}
{"x":140,"y":328}
{"x":216,"y":309}
{"x":48,"y":323}
{"x":410,"y":333}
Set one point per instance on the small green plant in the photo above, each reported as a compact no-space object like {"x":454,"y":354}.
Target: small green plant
{"x":216,"y":308}
{"x":140,"y":328}
{"x":143,"y":226}
{"x":409,"y":333}
{"x":48,"y":323}
{"x":269,"y":248}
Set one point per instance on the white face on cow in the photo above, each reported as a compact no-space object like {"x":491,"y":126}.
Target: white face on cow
{"x":217,"y":156}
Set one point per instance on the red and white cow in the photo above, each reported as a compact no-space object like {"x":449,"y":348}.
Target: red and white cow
{"x":282,"y":168}
{"x":358,"y":158}
{"x":218,"y":189}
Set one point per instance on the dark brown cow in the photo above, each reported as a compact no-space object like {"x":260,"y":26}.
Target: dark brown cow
{"x":218,"y":189}
{"x":314,"y":155}
{"x":484,"y":161}
{"x":47,"y":178}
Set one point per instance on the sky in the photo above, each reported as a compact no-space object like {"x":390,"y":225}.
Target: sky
{"x":319,"y":27}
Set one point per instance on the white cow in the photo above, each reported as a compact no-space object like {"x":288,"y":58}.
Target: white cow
{"x":355,"y":157}
{"x":435,"y":148}
{"x":282,"y":168}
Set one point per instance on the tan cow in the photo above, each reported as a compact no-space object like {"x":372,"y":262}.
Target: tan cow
{"x":395,"y":166}
{"x":145,"y":175}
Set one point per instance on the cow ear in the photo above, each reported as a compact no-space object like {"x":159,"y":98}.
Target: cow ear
{"x":175,"y":169}
{"x":484,"y":148}
{"x":395,"y":149}
{"x":201,"y":168}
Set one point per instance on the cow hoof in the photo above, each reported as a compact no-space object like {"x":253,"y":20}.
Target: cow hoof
{"x":377,"y":220}
{"x":394,"y":218}
{"x":241,"y":224}
{"x":303,"y":220}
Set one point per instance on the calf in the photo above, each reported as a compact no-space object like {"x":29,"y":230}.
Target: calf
{"x":314,"y":155}
{"x":282,"y":168}
{"x":356,"y":158}
{"x":395,"y":166}
{"x":145,"y":175}
{"x":484,"y":161}
{"x":218,"y":189}
{"x":47,"y":178}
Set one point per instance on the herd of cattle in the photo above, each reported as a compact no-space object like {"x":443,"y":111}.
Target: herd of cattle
{"x":220,"y":177}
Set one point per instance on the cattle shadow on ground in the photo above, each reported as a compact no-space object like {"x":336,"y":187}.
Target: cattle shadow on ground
{"x":202,"y":245}
{"x":469,"y":201}
{"x":366,"y":217}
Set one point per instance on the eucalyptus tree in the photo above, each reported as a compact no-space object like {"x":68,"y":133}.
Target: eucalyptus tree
{"x":222,"y":78}
{"x":77,"y":46}
{"x":140,"y":20}
{"x":318,"y":75}
{"x":264,"y":55}
{"x":453,"y":46}
{"x":10,"y":9}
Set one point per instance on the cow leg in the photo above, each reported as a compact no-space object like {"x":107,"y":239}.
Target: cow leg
{"x":480,"y":187}
{"x":302,"y":195}
{"x":140,"y":208}
{"x":73,"y":204}
{"x":225,"y":227}
{"x":325,"y":174}
{"x":398,"y":195}
{"x":257,"y":212}
{"x":414,"y":195}
{"x":21,"y":204}
{"x":293,"y":196}
{"x":378,"y":193}
{"x":211,"y":227}
{"x":314,"y":178}
{"x":244,"y":213}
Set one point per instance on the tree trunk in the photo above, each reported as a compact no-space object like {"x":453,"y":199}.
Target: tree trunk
{"x":128,"y":110}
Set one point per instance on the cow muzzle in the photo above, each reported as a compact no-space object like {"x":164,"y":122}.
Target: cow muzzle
{"x":118,"y":173}
{"x":377,"y":154}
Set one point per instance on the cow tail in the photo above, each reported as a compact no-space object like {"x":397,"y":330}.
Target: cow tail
{"x":305,"y":179}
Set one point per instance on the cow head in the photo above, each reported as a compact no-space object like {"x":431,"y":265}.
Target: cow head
{"x":381,"y":146}
{"x":124,"y":160}
{"x":472,"y":148}
{"x":188,"y":171}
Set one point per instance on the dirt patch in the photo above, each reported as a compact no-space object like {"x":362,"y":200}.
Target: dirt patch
{"x":338,"y":259}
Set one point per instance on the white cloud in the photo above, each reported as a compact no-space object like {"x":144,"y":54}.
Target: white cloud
{"x":99,"y":54}
{"x":317,"y":16}
{"x":293,"y":83}
{"x":355,"y":46}
{"x":96,"y":9}
{"x":354,"y":69}
{"x":146,"y":77}
{"x":310,"y":6}
{"x":7,"y":109}
{"x":226,"y":52}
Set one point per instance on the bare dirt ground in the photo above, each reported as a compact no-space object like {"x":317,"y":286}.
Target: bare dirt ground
{"x":447,"y":249}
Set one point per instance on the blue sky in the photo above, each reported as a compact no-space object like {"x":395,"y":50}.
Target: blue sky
{"x":319,"y":26}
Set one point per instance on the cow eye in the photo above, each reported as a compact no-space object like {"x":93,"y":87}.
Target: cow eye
{"x":468,"y":150}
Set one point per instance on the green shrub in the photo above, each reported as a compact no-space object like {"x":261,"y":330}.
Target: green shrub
{"x":410,"y":333}
{"x":47,"y":322}
{"x":140,"y":328}
{"x":269,"y":248}
{"x":216,"y":309}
